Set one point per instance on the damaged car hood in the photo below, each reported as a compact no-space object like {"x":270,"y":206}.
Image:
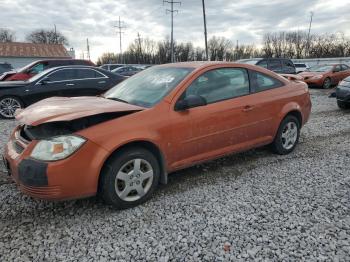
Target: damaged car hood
{"x":57,"y":109}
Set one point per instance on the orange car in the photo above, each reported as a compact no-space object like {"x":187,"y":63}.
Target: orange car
{"x":325,"y":76}
{"x":166,"y":118}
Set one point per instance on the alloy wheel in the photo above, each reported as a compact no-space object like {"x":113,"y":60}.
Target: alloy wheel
{"x":134,"y":180}
{"x":289,"y":135}
{"x":327,"y":83}
{"x":8,"y":107}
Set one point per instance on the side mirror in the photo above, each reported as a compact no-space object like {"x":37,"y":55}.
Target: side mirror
{"x":44,"y":81}
{"x":190,"y":102}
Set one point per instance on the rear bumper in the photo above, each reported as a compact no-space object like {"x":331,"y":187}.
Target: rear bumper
{"x":74,"y":177}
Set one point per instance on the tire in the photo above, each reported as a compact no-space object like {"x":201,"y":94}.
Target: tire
{"x":327,"y":83}
{"x":343,"y":105}
{"x":122,"y":188}
{"x":281,"y":145}
{"x":8,"y":106}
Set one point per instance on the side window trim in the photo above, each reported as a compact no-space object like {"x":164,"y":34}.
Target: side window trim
{"x":235,"y":97}
{"x":62,"y":81}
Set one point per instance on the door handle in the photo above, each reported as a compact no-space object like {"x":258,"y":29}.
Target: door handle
{"x":102,"y":82}
{"x":69,"y":84}
{"x":248,"y":108}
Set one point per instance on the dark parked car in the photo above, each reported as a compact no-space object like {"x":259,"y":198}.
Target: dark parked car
{"x":38,"y":66}
{"x":127,"y":70}
{"x":111,"y":67}
{"x":58,"y":81}
{"x":277,"y":65}
{"x":5,"y":67}
{"x":343,"y":94}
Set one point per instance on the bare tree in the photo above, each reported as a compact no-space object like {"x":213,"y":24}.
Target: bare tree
{"x":7,"y":35}
{"x":42,"y":36}
{"x":107,"y":58}
{"x":218,"y":48}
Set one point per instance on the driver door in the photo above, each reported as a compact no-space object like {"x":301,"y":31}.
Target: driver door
{"x":217,"y":127}
{"x":54,"y":84}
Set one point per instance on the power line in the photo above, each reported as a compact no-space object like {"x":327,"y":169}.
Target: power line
{"x":172,"y":11}
{"x":120,"y":26}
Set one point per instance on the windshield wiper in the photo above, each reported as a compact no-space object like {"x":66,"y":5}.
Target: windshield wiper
{"x":117,"y":99}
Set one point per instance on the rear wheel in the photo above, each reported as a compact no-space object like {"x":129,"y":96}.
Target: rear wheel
{"x":287,"y":136}
{"x":343,"y":105}
{"x":8,"y":106}
{"x":327,"y":83}
{"x":129,"y":178}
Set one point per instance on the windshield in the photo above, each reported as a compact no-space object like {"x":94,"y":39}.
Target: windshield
{"x":37,"y":76}
{"x":148,"y":87}
{"x":22,"y":69}
{"x":320,"y":68}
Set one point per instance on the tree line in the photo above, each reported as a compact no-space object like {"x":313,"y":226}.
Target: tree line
{"x":287,"y":44}
{"x":39,"y":36}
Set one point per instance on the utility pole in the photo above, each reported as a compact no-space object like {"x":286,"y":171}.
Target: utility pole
{"x":139,"y":47}
{"x":172,"y":11}
{"x":205,"y":31}
{"x":55,"y":34}
{"x":120,"y":26}
{"x":308,"y":35}
{"x":88,"y":48}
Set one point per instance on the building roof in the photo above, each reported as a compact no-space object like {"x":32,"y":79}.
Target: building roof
{"x":15,"y":49}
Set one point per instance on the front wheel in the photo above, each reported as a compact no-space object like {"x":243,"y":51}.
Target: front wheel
{"x":8,"y":106}
{"x":327,"y":83}
{"x":343,"y":105}
{"x":129,"y":178}
{"x":287,"y":136}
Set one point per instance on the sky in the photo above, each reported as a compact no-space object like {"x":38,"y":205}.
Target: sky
{"x":245,"y":20}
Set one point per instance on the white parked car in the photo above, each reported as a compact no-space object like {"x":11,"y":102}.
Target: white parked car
{"x":300,"y":67}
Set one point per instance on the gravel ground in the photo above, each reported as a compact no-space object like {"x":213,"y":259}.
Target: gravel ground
{"x":248,"y":206}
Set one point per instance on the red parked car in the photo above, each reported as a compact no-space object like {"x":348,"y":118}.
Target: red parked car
{"x":38,"y":66}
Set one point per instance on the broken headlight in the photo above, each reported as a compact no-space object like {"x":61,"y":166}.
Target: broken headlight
{"x":57,"y":148}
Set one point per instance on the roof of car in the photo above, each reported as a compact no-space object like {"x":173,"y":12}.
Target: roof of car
{"x":196,"y":64}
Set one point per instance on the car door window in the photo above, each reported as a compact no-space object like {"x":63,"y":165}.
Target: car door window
{"x":262,"y":63}
{"x":88,"y":74}
{"x":337,"y":68}
{"x":62,"y":75}
{"x":262,"y":82}
{"x":220,"y":84}
{"x":288,"y":65}
{"x":344,"y":67}
{"x":275,"y":65}
{"x":38,"y":68}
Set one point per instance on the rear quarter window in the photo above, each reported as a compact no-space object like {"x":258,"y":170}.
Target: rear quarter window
{"x":261,"y":82}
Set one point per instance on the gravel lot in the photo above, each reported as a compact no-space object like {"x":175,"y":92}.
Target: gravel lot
{"x":248,"y":206}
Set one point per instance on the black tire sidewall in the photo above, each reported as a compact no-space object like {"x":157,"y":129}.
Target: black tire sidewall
{"x":343,"y":105}
{"x":330,"y":83}
{"x":277,"y":144}
{"x":13,"y":97}
{"x":109,"y":173}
